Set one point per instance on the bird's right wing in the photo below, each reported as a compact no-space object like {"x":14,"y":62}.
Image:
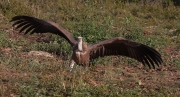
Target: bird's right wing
{"x":128,"y":48}
{"x":35,"y":25}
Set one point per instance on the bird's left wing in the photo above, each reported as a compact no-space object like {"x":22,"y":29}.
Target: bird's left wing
{"x":128,"y":48}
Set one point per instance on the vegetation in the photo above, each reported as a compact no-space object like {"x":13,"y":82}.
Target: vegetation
{"x":151,"y":23}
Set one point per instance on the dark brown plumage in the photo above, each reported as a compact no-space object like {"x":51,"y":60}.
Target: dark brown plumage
{"x":83,"y":53}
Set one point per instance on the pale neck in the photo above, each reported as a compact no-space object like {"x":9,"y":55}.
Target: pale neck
{"x":80,"y":45}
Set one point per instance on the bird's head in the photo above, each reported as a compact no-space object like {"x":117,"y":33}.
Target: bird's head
{"x":79,"y":39}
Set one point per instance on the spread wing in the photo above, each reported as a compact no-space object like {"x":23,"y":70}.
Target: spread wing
{"x":35,"y":25}
{"x":128,"y":48}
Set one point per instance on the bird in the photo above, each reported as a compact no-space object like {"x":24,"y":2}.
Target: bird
{"x":83,"y":53}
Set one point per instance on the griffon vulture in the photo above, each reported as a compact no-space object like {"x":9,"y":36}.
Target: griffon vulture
{"x":83,"y":53}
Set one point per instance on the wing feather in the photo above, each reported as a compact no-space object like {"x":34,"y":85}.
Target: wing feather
{"x":18,"y":22}
{"x":25,"y":27}
{"x":22,"y":24}
{"x":37,"y":29}
{"x":156,"y":57}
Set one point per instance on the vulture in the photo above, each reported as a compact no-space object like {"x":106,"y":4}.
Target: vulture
{"x":84,"y":53}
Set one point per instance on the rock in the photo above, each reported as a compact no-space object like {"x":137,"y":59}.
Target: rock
{"x":40,"y":53}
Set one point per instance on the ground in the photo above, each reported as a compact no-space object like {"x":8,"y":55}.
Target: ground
{"x":37,"y":65}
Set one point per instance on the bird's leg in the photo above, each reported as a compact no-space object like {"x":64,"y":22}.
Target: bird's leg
{"x":86,"y":66}
{"x":71,"y":64}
